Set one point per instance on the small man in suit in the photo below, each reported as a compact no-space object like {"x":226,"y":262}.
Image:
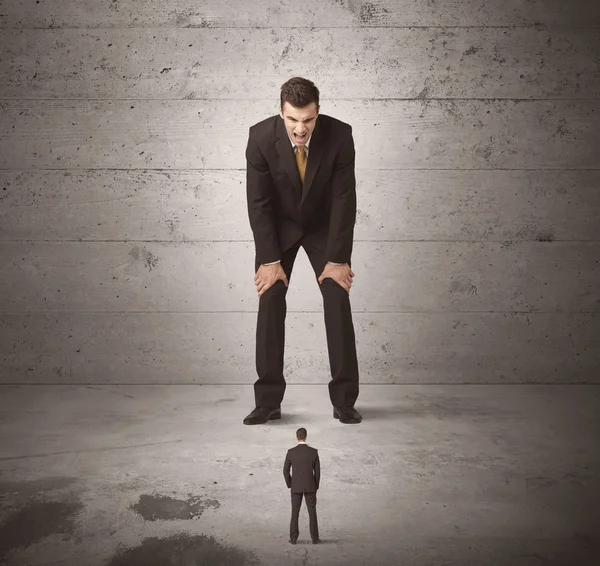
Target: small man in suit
{"x":301,"y":192}
{"x":304,"y":461}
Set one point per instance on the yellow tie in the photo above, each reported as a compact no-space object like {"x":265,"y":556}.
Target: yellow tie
{"x":301,"y":161}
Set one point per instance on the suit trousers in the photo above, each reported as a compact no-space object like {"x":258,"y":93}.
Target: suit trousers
{"x":270,"y":335}
{"x":311,"y":505}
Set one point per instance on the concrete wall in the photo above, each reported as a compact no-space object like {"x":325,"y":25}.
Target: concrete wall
{"x":126,"y":253}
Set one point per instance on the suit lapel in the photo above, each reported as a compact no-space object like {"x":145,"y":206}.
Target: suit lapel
{"x":315,"y":153}
{"x":286,"y":153}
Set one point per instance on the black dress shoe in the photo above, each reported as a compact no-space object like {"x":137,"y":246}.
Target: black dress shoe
{"x":292,"y":541}
{"x":316,"y":541}
{"x":347,"y":415}
{"x":261,"y":415}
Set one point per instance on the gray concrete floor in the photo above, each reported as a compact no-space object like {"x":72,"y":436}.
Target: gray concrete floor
{"x":159,"y":475}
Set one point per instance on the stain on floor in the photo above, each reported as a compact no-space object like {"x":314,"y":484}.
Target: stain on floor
{"x":35,"y":520}
{"x":164,"y":508}
{"x":183,"y":550}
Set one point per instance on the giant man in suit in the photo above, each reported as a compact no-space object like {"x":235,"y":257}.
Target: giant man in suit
{"x":301,"y":192}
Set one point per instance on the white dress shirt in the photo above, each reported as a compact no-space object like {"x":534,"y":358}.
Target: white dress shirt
{"x":296,"y":151}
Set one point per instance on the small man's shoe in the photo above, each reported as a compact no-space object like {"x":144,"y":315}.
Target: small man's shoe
{"x":261,"y":415}
{"x":317,"y":541}
{"x":347,"y":415}
{"x":293,"y":541}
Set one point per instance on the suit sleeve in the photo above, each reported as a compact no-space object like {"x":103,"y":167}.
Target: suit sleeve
{"x":286,"y":470}
{"x":259,"y":189}
{"x":343,"y":205}
{"x":317,"y":470}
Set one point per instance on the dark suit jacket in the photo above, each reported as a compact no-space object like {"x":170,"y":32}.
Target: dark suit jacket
{"x":304,"y":461}
{"x":281,"y":210}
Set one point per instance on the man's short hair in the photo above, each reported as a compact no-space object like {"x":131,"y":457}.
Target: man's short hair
{"x":301,"y":434}
{"x":299,"y":92}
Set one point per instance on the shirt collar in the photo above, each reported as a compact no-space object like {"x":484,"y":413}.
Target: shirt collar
{"x":301,"y":442}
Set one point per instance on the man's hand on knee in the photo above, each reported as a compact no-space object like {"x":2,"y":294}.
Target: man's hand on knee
{"x":341,"y":274}
{"x":267,"y":276}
